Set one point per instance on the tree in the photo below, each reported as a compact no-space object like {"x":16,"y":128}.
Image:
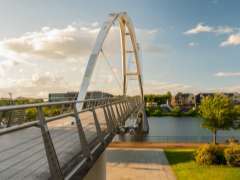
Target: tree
{"x":176,"y":111}
{"x":218,"y":113}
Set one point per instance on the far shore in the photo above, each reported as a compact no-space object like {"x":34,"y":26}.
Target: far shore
{"x":156,"y":145}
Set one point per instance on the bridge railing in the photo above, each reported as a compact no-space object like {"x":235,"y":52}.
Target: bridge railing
{"x":64,"y":145}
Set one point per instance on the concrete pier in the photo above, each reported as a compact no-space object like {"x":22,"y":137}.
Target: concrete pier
{"x":98,"y":171}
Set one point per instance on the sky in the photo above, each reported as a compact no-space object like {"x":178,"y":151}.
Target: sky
{"x":187,"y":46}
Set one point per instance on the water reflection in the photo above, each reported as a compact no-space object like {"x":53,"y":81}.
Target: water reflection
{"x":179,"y":129}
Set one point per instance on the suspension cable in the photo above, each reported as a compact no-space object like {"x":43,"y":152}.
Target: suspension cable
{"x":110,"y":66}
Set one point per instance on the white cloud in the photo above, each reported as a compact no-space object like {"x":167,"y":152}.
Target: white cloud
{"x":74,"y":41}
{"x":192,"y":44}
{"x":52,"y":43}
{"x":227,"y":74}
{"x":224,"y":30}
{"x":199,"y":28}
{"x":232,"y":40}
{"x":202,"y":28}
{"x":232,"y":89}
{"x":61,"y":51}
{"x":6,"y":65}
{"x":156,"y":87}
{"x":39,"y":85}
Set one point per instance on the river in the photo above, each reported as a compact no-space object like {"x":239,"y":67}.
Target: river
{"x":179,"y":129}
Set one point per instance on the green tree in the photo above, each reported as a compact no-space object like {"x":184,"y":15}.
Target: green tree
{"x":176,"y":111}
{"x":218,"y":113}
{"x":31,"y":114}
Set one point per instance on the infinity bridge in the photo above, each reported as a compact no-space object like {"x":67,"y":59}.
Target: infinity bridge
{"x":66,"y":146}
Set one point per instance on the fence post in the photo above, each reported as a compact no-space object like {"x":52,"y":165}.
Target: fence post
{"x":111,"y":117}
{"x":127,"y":107}
{"x":82,"y":137}
{"x":98,"y":128}
{"x":108,"y":121}
{"x":124,"y":108}
{"x":121,"y":112}
{"x":118,"y":114}
{"x":53,"y":163}
{"x":113,"y":114}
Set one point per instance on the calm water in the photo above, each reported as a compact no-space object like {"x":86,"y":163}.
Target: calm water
{"x":179,"y":129}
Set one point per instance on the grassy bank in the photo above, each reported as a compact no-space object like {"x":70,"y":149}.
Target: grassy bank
{"x":158,"y":112}
{"x":185,"y":168}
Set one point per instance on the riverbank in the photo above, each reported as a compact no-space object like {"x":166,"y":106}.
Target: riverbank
{"x":156,"y":145}
{"x":180,"y":157}
{"x":176,"y":112}
{"x":184,"y":166}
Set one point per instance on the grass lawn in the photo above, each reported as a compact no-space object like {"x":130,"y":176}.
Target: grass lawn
{"x":184,"y":166}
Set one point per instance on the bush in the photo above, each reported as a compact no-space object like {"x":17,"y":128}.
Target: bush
{"x":209,"y":154}
{"x":232,"y":155}
{"x":191,"y":112}
{"x":232,"y":140}
{"x":149,"y":111}
{"x":31,"y":114}
{"x":176,"y":111}
{"x":157,"y":112}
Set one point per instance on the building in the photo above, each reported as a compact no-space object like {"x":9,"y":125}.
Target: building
{"x":234,"y":97}
{"x":152,"y":104}
{"x":183,"y":100}
{"x":200,"y":96}
{"x":97,"y":94}
{"x":69,"y":96}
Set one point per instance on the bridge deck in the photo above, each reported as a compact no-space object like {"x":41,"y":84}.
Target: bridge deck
{"x":64,"y":146}
{"x":22,"y":154}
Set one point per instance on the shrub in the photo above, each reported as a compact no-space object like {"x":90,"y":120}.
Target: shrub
{"x":191,"y":112}
{"x":232,"y":155}
{"x":209,"y":154}
{"x":157,"y":112}
{"x":232,"y":140}
{"x":31,"y":114}
{"x":149,"y":111}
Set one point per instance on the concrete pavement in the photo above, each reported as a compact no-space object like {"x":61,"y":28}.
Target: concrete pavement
{"x":138,"y":164}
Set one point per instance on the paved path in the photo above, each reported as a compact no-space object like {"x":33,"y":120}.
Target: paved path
{"x":138,"y":164}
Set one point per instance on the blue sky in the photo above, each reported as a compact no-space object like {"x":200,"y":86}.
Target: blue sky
{"x":198,"y":41}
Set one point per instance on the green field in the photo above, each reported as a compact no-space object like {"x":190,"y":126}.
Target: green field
{"x":184,"y":166}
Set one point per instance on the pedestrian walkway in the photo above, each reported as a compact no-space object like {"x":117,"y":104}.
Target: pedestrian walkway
{"x":138,"y":164}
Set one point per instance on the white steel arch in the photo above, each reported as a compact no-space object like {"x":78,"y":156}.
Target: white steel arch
{"x":126,"y":29}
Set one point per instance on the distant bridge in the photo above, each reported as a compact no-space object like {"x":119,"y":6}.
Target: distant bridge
{"x":66,"y":146}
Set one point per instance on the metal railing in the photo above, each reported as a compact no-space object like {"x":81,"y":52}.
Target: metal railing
{"x":65,"y":151}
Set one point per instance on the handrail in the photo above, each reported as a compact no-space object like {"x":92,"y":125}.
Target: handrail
{"x":53,"y":118}
{"x":89,"y":150}
{"x":27,"y":106}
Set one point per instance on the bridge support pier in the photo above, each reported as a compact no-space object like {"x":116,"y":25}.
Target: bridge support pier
{"x":145,"y":126}
{"x":98,"y":171}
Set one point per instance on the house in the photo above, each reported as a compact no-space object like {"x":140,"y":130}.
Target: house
{"x":234,"y":97}
{"x":183,"y":100}
{"x":151,"y":104}
{"x":200,"y":96}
